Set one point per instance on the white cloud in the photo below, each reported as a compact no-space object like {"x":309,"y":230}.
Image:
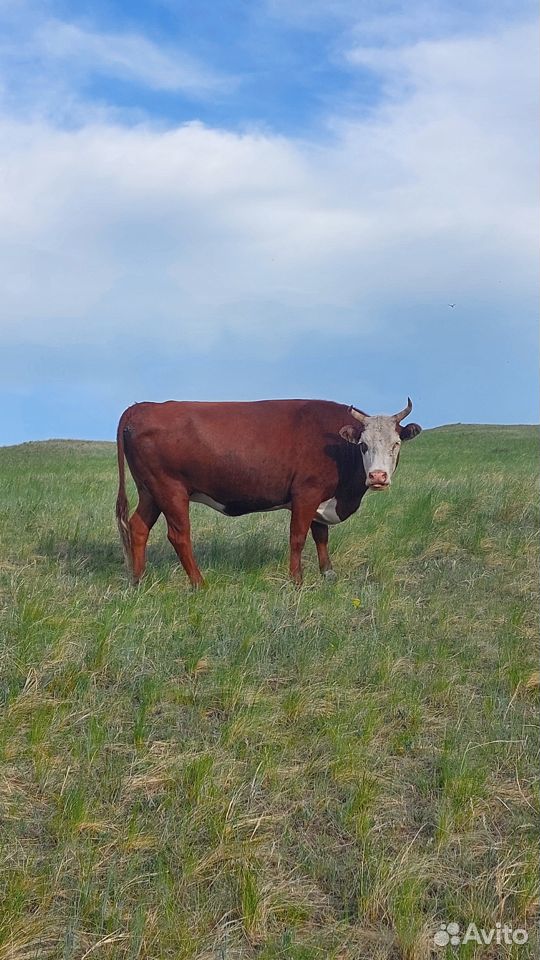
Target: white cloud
{"x":47,"y":65}
{"x":110,"y":231}
{"x":129,"y":57}
{"x":394,"y":22}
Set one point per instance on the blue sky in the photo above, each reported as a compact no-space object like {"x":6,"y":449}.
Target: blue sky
{"x":266,"y":199}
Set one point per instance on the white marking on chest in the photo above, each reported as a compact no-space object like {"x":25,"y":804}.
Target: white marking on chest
{"x":208,"y":502}
{"x":327,"y":513}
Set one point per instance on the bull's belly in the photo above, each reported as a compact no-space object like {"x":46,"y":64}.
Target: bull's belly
{"x":208,"y":502}
{"x":237,"y":508}
{"x":326,"y":511}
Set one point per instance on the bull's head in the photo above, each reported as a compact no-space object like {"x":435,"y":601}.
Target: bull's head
{"x":379,"y":439}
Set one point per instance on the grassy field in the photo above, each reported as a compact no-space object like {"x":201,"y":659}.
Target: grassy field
{"x":259,"y":771}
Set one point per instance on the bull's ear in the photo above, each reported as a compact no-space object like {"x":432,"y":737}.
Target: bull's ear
{"x":350,"y":433}
{"x":409,"y":431}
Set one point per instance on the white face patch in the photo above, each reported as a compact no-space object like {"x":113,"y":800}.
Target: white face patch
{"x":380,"y":443}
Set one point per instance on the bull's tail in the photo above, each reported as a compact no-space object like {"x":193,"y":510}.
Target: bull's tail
{"x":122,"y":505}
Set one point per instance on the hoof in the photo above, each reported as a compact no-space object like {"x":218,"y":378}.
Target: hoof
{"x":330,"y":575}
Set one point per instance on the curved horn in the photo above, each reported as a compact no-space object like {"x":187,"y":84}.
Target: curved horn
{"x":358,"y":414}
{"x":398,"y":417}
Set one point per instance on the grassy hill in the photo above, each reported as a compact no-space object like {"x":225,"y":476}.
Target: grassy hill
{"x":259,"y":771}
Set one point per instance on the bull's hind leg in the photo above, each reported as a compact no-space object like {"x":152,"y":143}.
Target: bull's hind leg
{"x":140,"y":524}
{"x":179,"y":534}
{"x":319,"y":532}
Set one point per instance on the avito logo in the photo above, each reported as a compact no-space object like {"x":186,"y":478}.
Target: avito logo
{"x":449,"y":933}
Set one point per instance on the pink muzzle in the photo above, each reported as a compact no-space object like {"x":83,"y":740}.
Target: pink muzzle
{"x":378,"y":479}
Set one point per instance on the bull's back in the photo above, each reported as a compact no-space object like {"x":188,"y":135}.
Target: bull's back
{"x":245,"y":455}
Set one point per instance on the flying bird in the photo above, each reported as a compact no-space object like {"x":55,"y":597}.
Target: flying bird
{"x":451,"y":304}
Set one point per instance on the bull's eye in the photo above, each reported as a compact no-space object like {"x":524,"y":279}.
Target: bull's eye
{"x":363,"y":447}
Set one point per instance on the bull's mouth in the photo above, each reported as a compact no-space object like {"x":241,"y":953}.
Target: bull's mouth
{"x":378,"y":486}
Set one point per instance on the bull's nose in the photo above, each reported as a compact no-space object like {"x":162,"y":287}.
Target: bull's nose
{"x":378,"y":477}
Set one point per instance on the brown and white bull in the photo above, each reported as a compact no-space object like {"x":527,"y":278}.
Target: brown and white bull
{"x":312,"y":457}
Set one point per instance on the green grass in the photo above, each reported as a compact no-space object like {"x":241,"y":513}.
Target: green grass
{"x":259,"y":771}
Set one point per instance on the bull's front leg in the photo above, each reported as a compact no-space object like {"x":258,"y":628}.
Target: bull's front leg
{"x":303,"y":510}
{"x":320,"y":535}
